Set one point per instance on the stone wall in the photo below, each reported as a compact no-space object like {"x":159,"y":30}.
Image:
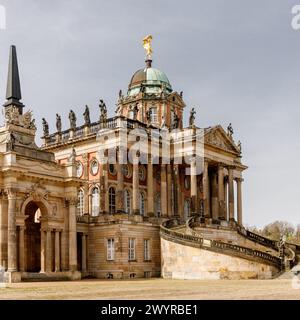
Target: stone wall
{"x":121,"y":267}
{"x":184,"y":262}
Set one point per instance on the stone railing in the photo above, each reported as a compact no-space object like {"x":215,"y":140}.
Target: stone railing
{"x":243,"y":251}
{"x":92,"y":130}
{"x":257,"y":238}
{"x":216,"y":246}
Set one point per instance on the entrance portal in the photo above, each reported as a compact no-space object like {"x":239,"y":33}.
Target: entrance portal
{"x":33,"y":238}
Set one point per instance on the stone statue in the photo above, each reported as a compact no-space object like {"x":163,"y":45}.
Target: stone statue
{"x":135,"y":112}
{"x":120,"y":94}
{"x":142,"y":88}
{"x":148,"y":116}
{"x":72,"y":157}
{"x":176,"y":121}
{"x":103,"y":111}
{"x":230,"y":130}
{"x":239,"y":145}
{"x":10,"y":140}
{"x":32,"y":124}
{"x":45,"y":127}
{"x":86,"y":115}
{"x":192,"y":117}
{"x":72,"y":118}
{"x":58,"y":123}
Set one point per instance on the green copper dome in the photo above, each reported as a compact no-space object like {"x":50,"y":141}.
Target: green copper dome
{"x":149,"y":79}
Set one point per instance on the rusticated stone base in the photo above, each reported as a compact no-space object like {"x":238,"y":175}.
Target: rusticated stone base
{"x":184,"y":262}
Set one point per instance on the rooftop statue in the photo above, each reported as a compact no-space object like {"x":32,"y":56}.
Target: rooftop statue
{"x":192,"y":117}
{"x":239,"y":145}
{"x":72,"y":118}
{"x":58,"y":123}
{"x":86,"y":115}
{"x":103,"y":112}
{"x":45,"y":127}
{"x":230,"y":130}
{"x":147,"y":46}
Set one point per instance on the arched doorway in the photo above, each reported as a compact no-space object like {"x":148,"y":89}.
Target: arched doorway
{"x":33,"y":238}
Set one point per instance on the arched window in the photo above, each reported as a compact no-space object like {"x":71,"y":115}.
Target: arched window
{"x":142,"y":203}
{"x":158,"y":206}
{"x":95,"y":202}
{"x":80,"y":204}
{"x":186,"y":209}
{"x":112,"y":200}
{"x":127,"y":198}
{"x":153,"y":114}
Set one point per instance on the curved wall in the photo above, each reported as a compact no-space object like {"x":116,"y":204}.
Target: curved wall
{"x":184,"y":262}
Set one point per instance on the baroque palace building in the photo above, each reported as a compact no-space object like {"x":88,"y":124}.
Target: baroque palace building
{"x":113,"y":198}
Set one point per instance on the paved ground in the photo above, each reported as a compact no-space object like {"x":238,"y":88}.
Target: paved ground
{"x":153,"y":289}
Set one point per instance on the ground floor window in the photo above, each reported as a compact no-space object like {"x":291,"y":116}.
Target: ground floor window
{"x":131,"y":249}
{"x":147,"y":255}
{"x":110,"y":249}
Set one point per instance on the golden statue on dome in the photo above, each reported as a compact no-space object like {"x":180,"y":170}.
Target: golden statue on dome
{"x":147,"y":45}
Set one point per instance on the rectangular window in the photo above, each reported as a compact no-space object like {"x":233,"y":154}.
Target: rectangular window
{"x":131,"y":249}
{"x":110,"y":249}
{"x":147,"y":255}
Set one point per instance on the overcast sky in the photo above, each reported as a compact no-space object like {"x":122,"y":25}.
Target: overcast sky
{"x":236,"y":61}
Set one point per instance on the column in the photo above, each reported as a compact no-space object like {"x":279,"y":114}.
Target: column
{"x":12,"y":232}
{"x":163,"y":191}
{"x":84,"y":253}
{"x":194,"y":200}
{"x":221,"y":192}
{"x":205,"y":183}
{"x":120,"y":188}
{"x":105,"y":182}
{"x":48,"y":251}
{"x":72,"y":235}
{"x":239,"y":201}
{"x":231,"y":194}
{"x":169,"y":188}
{"x":57,"y":251}
{"x":214,"y":196}
{"x":150,"y":187}
{"x":21,"y":248}
{"x":177,"y":193}
{"x":3,"y":230}
{"x":43,"y":251}
{"x":135,"y":191}
{"x":226,"y":199}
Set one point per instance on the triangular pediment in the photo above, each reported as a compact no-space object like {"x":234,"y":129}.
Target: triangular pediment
{"x":176,"y":98}
{"x":217,"y":137}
